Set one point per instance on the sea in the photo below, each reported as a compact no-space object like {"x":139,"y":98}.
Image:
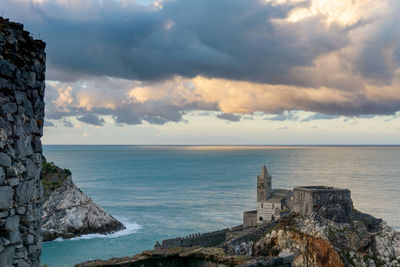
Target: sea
{"x":162,"y":192}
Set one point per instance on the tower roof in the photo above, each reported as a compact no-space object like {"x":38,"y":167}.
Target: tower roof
{"x":264,"y":172}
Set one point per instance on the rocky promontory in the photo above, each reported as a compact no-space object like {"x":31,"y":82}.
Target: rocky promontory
{"x":292,"y":240}
{"x":313,"y":226}
{"x":68,"y":212}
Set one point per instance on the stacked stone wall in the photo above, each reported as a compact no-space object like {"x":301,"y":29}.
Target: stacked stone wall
{"x":328,"y":202}
{"x":202,"y":240}
{"x":250,"y":218}
{"x":22,"y":83}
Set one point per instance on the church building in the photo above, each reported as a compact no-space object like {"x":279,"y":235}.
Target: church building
{"x":271,"y":203}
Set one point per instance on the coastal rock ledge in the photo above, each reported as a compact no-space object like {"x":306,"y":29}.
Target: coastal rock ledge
{"x":67,"y":212}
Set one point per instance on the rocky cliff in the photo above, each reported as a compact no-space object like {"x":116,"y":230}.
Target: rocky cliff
{"x":67,"y":211}
{"x":22,"y":70}
{"x":364,"y":241}
{"x":293,"y":240}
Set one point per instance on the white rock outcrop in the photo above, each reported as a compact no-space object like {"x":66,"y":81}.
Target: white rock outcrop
{"x":68,"y":212}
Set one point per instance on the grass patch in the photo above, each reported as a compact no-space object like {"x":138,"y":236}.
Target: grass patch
{"x":52,"y":177}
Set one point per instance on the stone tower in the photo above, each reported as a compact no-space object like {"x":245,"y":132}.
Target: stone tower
{"x":264,"y":188}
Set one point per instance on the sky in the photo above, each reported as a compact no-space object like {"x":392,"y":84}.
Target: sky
{"x":218,"y":71}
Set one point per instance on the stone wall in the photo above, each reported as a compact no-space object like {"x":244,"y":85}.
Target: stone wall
{"x":250,"y":218}
{"x":327,"y":202}
{"x":22,"y":82}
{"x":202,"y":240}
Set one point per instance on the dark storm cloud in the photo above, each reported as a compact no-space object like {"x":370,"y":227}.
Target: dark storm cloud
{"x":379,"y":55}
{"x":224,"y":39}
{"x":91,"y":119}
{"x":229,"y":117}
{"x":231,"y":39}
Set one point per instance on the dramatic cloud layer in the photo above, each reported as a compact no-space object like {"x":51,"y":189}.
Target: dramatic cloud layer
{"x":154,"y":63}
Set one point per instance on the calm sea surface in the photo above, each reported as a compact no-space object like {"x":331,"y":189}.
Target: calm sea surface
{"x":167,"y":191}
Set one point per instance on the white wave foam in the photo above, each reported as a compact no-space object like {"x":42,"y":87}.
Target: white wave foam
{"x":130,"y":228}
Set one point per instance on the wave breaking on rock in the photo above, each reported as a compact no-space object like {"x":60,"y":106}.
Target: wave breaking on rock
{"x":67,"y":212}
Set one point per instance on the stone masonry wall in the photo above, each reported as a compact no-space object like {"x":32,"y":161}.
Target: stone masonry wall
{"x":250,"y":218}
{"x":203,"y":240}
{"x":22,"y":82}
{"x":328,"y":202}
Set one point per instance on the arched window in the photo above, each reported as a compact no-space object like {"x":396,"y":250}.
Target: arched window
{"x":261,"y":218}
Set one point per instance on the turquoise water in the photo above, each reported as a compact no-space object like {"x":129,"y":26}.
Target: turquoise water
{"x":167,"y":191}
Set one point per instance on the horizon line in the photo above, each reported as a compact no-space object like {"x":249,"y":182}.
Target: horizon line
{"x":222,"y":145}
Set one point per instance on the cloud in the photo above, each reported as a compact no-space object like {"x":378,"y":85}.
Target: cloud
{"x":247,"y":97}
{"x":283,"y":128}
{"x":285,"y":116}
{"x":370,"y":116}
{"x":48,"y":123}
{"x":153,"y":113}
{"x":318,"y":116}
{"x":127,"y":40}
{"x":67,"y":123}
{"x":91,"y":119}
{"x":154,"y":63}
{"x":135,"y":102}
{"x":229,"y":117}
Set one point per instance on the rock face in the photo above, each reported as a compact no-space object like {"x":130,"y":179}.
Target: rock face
{"x":293,"y":240}
{"x":189,"y":257}
{"x":312,"y":241}
{"x":22,"y":83}
{"x":67,"y":211}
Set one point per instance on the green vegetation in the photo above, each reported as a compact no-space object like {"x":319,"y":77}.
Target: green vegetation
{"x":49,"y":167}
{"x":377,"y":262}
{"x":349,"y":259}
{"x":68,"y":172}
{"x":52,"y":177}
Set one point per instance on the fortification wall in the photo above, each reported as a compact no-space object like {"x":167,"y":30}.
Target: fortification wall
{"x":22,"y":83}
{"x":331,"y":203}
{"x":202,"y":240}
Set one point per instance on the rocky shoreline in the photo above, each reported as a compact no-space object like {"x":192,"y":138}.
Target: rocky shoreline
{"x":292,"y":240}
{"x":67,"y":212}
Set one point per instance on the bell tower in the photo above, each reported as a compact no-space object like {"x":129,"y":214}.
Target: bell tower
{"x":264,"y":188}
